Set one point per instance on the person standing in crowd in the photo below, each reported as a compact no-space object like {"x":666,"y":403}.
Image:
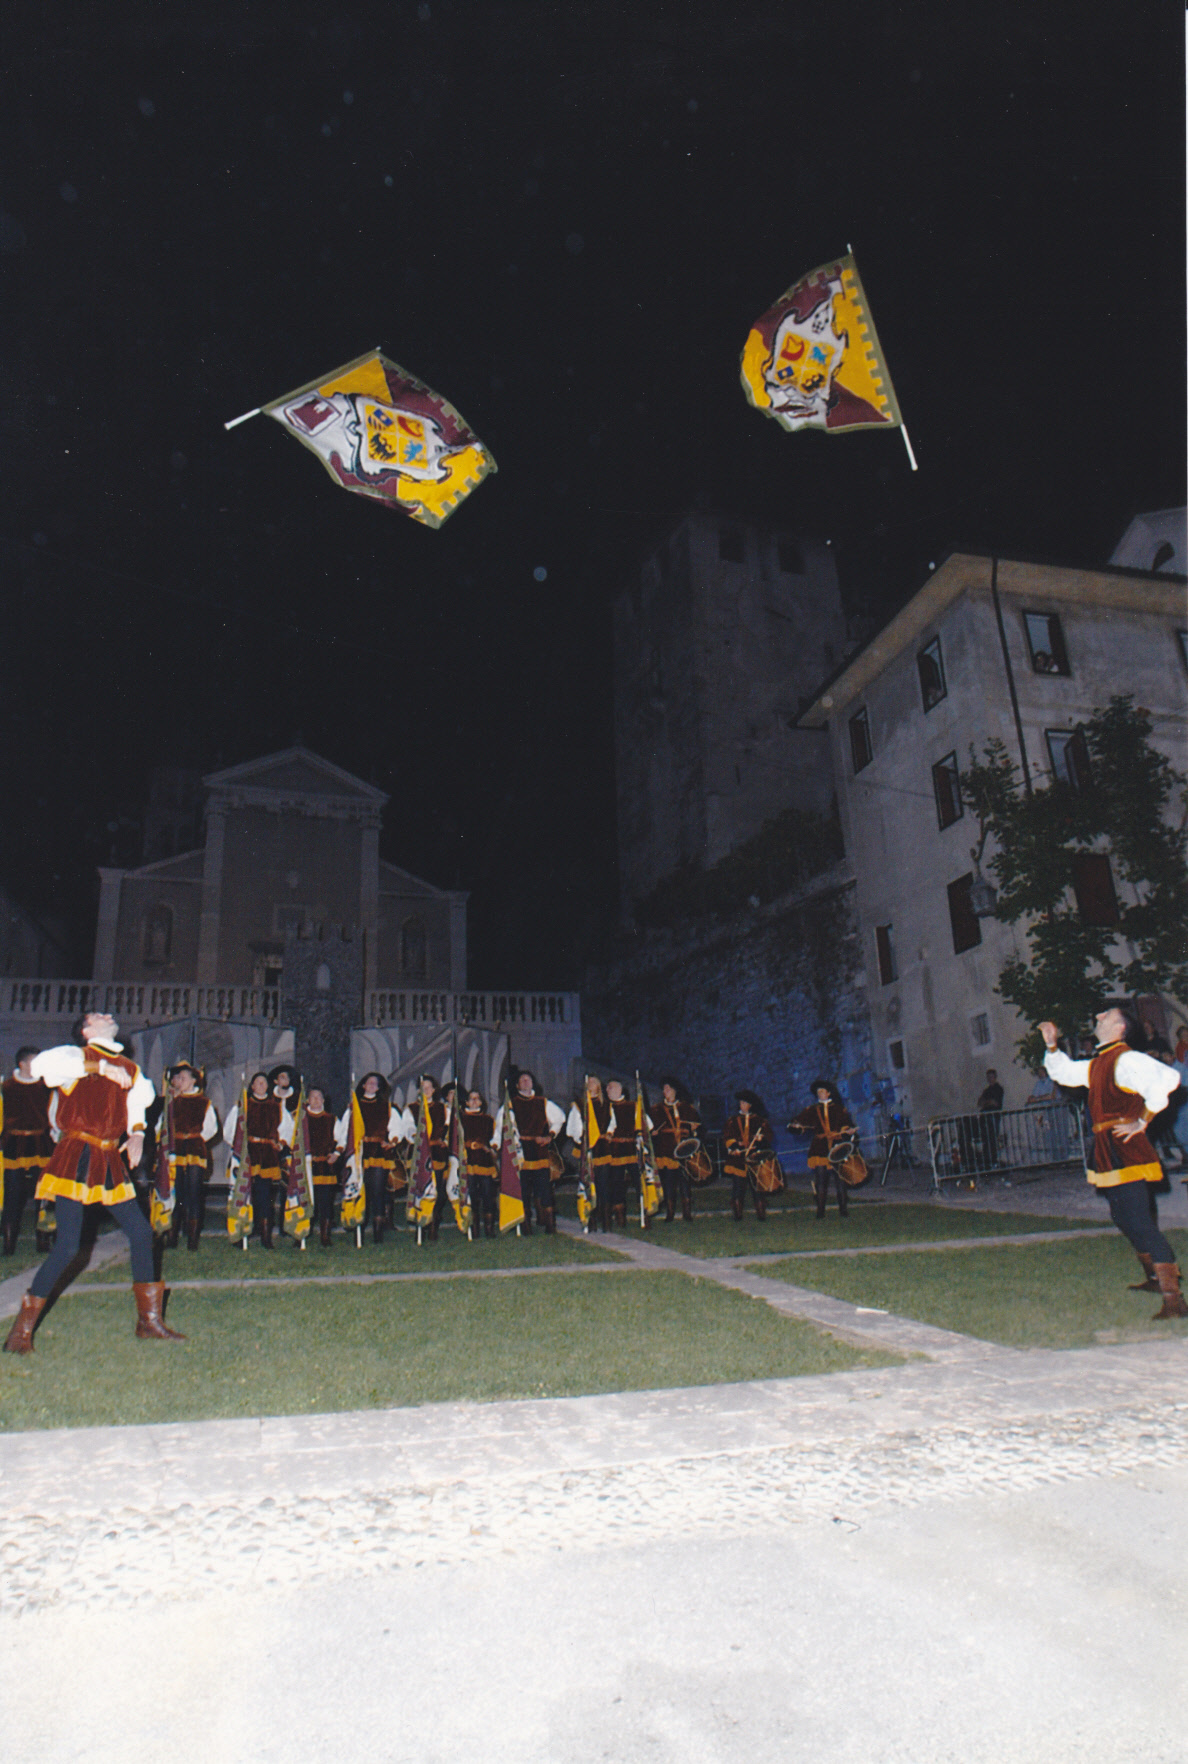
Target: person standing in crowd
{"x":478,"y":1134}
{"x":259,"y":1141}
{"x":746,"y":1139}
{"x":321,"y":1140}
{"x":828,"y":1121}
{"x":101,"y":1104}
{"x":538,"y":1122}
{"x":383,"y":1125}
{"x":188,"y":1128}
{"x":1127,"y":1089}
{"x":437,"y":1113}
{"x":677,"y":1121}
{"x":989,"y":1106}
{"x":621,"y":1167}
{"x":25,"y":1145}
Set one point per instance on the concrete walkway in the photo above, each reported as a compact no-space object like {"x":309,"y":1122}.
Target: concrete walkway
{"x":975,"y":1556}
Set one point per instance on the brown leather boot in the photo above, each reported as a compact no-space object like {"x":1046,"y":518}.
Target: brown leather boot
{"x":1168,"y":1275}
{"x":550,"y":1221}
{"x":266,"y":1233}
{"x":150,"y":1304}
{"x":1150,"y":1284}
{"x":619,"y":1215}
{"x":325,"y":1233}
{"x":669,"y":1210}
{"x":20,"y":1336}
{"x":193,"y":1233}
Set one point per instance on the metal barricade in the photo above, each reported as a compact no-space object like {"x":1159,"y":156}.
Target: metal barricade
{"x":1000,"y":1141}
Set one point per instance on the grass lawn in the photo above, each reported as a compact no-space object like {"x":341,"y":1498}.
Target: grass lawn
{"x":297,"y":1350}
{"x":1052,"y":1295}
{"x":868,"y":1224}
{"x":220,"y":1259}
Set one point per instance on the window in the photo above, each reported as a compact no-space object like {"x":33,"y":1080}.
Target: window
{"x":789,"y":554}
{"x":896,"y":1056}
{"x":967,"y":932}
{"x":158,"y":936}
{"x":932,"y":674}
{"x":980,"y":1028}
{"x":861,"y":751}
{"x":885,"y":946}
{"x":731,"y":545}
{"x":946,"y":787}
{"x":414,"y":950}
{"x":1045,"y":641}
{"x":1093,"y":885}
{"x":1069,"y":753}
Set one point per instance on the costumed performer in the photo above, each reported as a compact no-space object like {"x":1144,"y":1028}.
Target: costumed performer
{"x":25,"y":1143}
{"x":746,"y":1137}
{"x":1127,"y":1089}
{"x":101,"y":1102}
{"x":828,"y":1120}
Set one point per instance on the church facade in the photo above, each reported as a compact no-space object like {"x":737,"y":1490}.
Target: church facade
{"x":290,"y":840}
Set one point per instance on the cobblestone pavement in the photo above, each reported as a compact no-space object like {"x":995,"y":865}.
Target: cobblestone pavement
{"x":110,"y":1516}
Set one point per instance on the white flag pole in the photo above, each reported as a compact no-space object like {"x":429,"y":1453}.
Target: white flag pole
{"x":245,"y":418}
{"x":908,"y":445}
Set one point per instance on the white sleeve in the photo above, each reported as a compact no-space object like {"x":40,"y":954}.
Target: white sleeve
{"x":554,"y":1117}
{"x":230,"y":1123}
{"x":341,"y":1128}
{"x":139,"y":1098}
{"x":401,"y":1125}
{"x":648,"y":1119}
{"x":497,"y":1136}
{"x":59,"y":1065}
{"x":285,"y":1129}
{"x":1070,"y":1073}
{"x":1153,"y":1081}
{"x":574,"y":1124}
{"x":210,"y":1124}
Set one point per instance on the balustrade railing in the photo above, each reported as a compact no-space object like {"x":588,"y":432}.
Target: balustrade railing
{"x":139,"y":1003}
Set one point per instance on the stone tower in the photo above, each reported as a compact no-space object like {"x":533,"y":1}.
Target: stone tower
{"x":322,"y":1001}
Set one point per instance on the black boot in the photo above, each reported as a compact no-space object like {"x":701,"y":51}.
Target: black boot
{"x":193,"y":1234}
{"x":736,"y":1209}
{"x":325,"y":1234}
{"x":266,"y":1233}
{"x":10,"y":1240}
{"x":686,"y":1209}
{"x":760,"y":1206}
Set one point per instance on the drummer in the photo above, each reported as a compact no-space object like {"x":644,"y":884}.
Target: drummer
{"x":677,"y":1127}
{"x":747,"y":1140}
{"x":829,"y":1122}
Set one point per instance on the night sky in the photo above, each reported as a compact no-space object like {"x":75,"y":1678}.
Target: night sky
{"x":564,"y":219}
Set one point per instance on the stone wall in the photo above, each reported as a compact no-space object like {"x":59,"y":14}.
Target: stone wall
{"x":767,"y":999}
{"x":322,"y":994}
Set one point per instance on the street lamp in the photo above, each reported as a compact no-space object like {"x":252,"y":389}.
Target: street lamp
{"x":983,"y":896}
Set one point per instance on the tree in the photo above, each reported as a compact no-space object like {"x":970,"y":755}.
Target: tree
{"x":1081,"y":946}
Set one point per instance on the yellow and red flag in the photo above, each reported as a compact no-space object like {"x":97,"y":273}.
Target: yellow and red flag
{"x":354,"y":1194}
{"x":384,"y":434}
{"x":511,"y":1193}
{"x":813,"y":361}
{"x":422,"y":1193}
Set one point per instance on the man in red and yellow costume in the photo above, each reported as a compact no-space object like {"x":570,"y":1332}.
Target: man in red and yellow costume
{"x":1127,"y":1090}
{"x":101,"y":1103}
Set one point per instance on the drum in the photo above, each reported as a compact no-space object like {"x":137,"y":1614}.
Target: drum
{"x":766,"y":1174}
{"x":848,"y":1161}
{"x":695,"y":1159}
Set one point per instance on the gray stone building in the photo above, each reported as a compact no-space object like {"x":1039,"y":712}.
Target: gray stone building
{"x":719,"y":641}
{"x":945,"y":674}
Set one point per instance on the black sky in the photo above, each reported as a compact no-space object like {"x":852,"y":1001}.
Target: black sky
{"x":564,"y":218}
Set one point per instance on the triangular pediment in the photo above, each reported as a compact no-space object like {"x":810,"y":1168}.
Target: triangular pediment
{"x":296,"y":772}
{"x":394,"y":880}
{"x":185,"y":867}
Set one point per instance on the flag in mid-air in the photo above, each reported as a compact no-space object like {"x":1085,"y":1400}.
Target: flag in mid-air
{"x":813,"y":361}
{"x":383,"y":433}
